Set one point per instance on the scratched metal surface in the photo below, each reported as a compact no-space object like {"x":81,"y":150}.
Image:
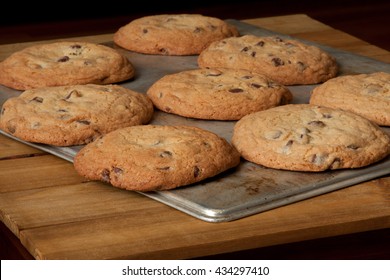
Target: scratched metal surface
{"x":249,"y":188}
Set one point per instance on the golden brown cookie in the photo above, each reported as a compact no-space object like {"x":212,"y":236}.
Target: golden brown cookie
{"x":172,"y":34}
{"x":73,"y":115}
{"x":365,"y":94}
{"x":286,"y":61}
{"x":304,"y":137}
{"x":64,"y":63}
{"x":217,"y":94}
{"x":155,"y":157}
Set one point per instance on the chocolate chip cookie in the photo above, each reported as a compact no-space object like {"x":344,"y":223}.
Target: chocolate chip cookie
{"x":365,"y":94}
{"x":172,"y":34}
{"x":64,"y":63}
{"x":155,"y":157}
{"x":304,"y":137}
{"x":286,"y":61}
{"x":217,"y":94}
{"x":73,"y":115}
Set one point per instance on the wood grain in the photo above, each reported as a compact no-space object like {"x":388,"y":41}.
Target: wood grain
{"x":13,"y":149}
{"x":164,"y":233}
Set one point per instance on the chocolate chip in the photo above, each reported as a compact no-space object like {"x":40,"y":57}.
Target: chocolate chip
{"x":245,"y":49}
{"x":304,"y":136}
{"x":76,"y":46}
{"x":62,"y":110}
{"x":255,"y":85}
{"x":278,"y":39}
{"x":196,"y":171}
{"x":305,"y":131}
{"x":198,"y":30}
{"x":301,"y":66}
{"x":2,"y":111}
{"x":236,"y":90}
{"x":11,"y":129}
{"x":353,"y":147}
{"x":276,"y":134}
{"x":163,"y":168}
{"x":273,"y":134}
{"x":63,"y":59}
{"x":163,"y":51}
{"x":260,"y":44}
{"x":247,"y":77}
{"x":37,"y":99}
{"x":105,"y":175}
{"x":158,"y":142}
{"x":335,"y":164}
{"x":117,"y":170}
{"x":165,"y":154}
{"x":73,"y":93}
{"x":287,"y":147}
{"x":277,"y":61}
{"x":253,"y":54}
{"x":318,"y":159}
{"x":145,"y":30}
{"x":206,"y":144}
{"x":317,"y":123}
{"x":84,"y":122}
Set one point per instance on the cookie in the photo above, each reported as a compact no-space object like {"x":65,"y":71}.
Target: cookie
{"x":172,"y":34}
{"x":304,"y":137}
{"x":286,"y":61}
{"x":216,"y":94}
{"x":73,"y":115}
{"x":155,"y":157}
{"x":365,"y":94}
{"x":64,"y":63}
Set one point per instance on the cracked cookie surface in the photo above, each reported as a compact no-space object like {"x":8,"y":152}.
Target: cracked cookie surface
{"x":64,"y":63}
{"x":73,"y":115}
{"x":217,"y":94}
{"x":365,"y":94}
{"x":304,"y":137}
{"x":156,"y":157}
{"x":286,"y":61}
{"x":172,"y":34}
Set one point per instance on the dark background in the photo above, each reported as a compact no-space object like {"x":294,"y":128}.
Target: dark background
{"x":367,"y":20}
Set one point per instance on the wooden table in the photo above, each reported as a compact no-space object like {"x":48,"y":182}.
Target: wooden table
{"x":56,"y":214}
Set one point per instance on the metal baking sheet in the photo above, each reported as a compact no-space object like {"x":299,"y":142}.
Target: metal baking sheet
{"x":249,"y":188}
